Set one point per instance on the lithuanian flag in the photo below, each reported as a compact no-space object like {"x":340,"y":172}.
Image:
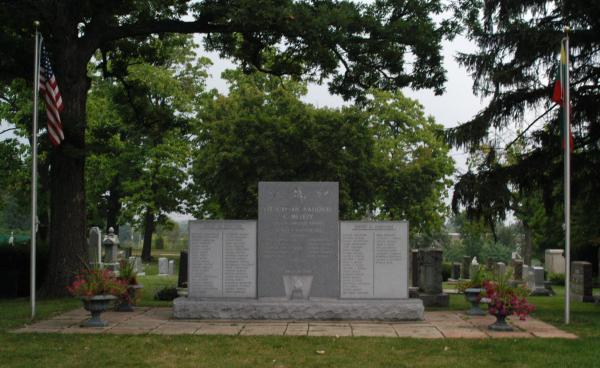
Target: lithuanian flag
{"x":558,"y":93}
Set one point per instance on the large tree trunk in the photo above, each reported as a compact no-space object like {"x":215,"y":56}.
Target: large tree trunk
{"x":67,"y":203}
{"x":148,"y":231}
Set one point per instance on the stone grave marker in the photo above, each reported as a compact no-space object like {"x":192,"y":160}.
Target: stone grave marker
{"x":554,"y":261}
{"x":95,"y":245}
{"x":455,"y":270}
{"x":298,"y":240}
{"x":581,"y":281}
{"x":373,"y":256}
{"x":163,"y":266}
{"x":539,"y":288}
{"x":222,"y":259}
{"x":171,"y":267}
{"x":111,"y":246}
{"x":430,"y":284}
{"x":517,"y":269}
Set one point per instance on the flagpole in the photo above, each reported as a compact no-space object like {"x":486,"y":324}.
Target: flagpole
{"x":567,"y":182}
{"x":36,"y":83}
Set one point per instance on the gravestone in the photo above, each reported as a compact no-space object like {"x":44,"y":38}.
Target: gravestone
{"x":455,"y":271}
{"x":171,"y":267}
{"x":539,"y":288}
{"x":500,"y":269}
{"x":163,"y":266}
{"x":466,"y":263}
{"x":95,"y":245}
{"x":414,"y":263}
{"x":298,"y":240}
{"x":517,"y":269}
{"x":430,"y":283}
{"x":222,"y":259}
{"x":182,"y":277}
{"x":581,"y":281}
{"x":554,"y":261}
{"x":111,"y":246}
{"x":373,"y":256}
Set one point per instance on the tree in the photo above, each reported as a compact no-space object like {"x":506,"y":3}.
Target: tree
{"x":514,"y":66}
{"x":140,"y":114}
{"x":389,"y":159}
{"x":262,"y":131}
{"x":312,"y":38}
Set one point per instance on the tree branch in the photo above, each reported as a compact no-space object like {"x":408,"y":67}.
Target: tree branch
{"x":7,"y":130}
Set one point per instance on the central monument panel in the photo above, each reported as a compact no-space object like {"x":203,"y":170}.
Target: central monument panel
{"x":298,"y":253}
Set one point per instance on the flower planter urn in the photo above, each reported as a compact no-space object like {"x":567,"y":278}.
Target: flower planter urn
{"x":472,"y":295}
{"x":96,"y":305}
{"x":127,"y":305}
{"x":500,"y":324}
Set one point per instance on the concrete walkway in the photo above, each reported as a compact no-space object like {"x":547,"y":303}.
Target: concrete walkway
{"x":158,"y":321}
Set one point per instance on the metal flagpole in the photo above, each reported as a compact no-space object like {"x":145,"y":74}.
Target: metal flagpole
{"x":36,"y":86}
{"x":567,"y":179}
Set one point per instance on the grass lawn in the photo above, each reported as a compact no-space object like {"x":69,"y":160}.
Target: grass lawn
{"x":57,"y":350}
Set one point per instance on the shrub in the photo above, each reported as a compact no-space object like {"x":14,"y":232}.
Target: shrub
{"x":557,"y":278}
{"x":15,"y":268}
{"x":167,"y":293}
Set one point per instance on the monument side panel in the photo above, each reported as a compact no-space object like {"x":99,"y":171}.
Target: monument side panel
{"x":222,"y":259}
{"x":374,"y":259}
{"x":298,"y":252}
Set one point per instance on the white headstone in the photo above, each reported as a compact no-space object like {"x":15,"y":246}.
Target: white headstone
{"x":95,"y":245}
{"x":554,"y":261}
{"x":374,"y":259}
{"x":171,"y":267}
{"x":163,"y":266}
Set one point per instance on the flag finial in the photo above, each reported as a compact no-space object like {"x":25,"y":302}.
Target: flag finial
{"x":36,"y":23}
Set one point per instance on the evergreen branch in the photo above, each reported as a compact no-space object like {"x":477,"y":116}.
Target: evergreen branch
{"x":529,"y":126}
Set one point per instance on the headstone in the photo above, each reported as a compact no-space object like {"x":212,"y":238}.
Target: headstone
{"x":163,"y":266}
{"x":171,"y":267}
{"x":111,"y":246}
{"x":298,"y":240}
{"x":414,"y":263}
{"x":455,"y":270}
{"x":466,"y":263}
{"x":373,"y":260}
{"x":182,"y":279}
{"x":222,"y":259}
{"x":529,"y":277}
{"x":539,"y":288}
{"x":500,"y":269}
{"x":517,"y":269}
{"x":581,"y":281}
{"x":430,"y":283}
{"x":554,"y":261}
{"x":94,"y":245}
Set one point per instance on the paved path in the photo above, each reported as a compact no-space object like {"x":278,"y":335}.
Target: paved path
{"x":437,"y":325}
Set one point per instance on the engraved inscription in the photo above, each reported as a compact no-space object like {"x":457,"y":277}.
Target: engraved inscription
{"x":222,"y":259}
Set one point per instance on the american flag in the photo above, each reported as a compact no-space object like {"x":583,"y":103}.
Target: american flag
{"x":54,"y":104}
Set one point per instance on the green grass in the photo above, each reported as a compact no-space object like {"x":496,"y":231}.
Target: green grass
{"x":56,"y":350}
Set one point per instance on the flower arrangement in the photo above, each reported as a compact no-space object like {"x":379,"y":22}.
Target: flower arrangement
{"x":477,"y":280}
{"x":127,"y":272}
{"x":505,"y":300}
{"x":96,"y":281}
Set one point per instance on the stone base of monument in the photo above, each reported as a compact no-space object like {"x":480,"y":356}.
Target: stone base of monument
{"x":413,"y":292}
{"x":540,"y":291}
{"x":435,"y":300}
{"x":313,"y":309}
